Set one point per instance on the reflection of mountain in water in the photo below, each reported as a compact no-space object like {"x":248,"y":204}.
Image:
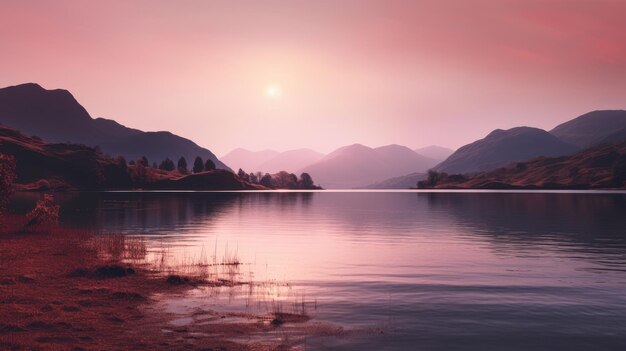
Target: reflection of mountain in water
{"x":156,"y":212}
{"x":569,"y":221}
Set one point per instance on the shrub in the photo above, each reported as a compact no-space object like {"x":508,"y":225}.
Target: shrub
{"x":45,"y":212}
{"x":7,"y":177}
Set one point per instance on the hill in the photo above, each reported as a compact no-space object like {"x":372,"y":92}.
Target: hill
{"x":593,"y":128}
{"x":358,"y":165}
{"x":403,"y":182}
{"x":217,"y":179}
{"x":270,"y":161}
{"x":435,"y":152}
{"x":42,"y":166}
{"x":290,"y":161}
{"x":595,"y":168}
{"x":502,"y":147}
{"x":248,"y":160}
{"x":56,"y":116}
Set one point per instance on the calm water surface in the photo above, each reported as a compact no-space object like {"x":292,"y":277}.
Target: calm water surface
{"x":403,"y":270}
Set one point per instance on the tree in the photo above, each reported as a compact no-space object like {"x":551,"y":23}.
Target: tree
{"x":7,"y":177}
{"x":209,"y":165}
{"x":266,"y":180}
{"x":121,"y":162}
{"x":306,"y":182}
{"x":253,"y":178}
{"x":140,"y":175}
{"x":198,"y":165}
{"x":432,"y":179}
{"x":143,"y":161}
{"x":285,"y":180}
{"x":182,"y":165}
{"x":242,"y":174}
{"x":167,"y":165}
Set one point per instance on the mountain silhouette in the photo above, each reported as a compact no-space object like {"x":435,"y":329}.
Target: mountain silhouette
{"x":502,"y":147}
{"x":291,"y":161}
{"x":599,"y":167}
{"x":56,"y":116}
{"x":61,"y":166}
{"x":248,"y":160}
{"x":270,"y":161}
{"x":401,"y":182}
{"x":435,"y":152}
{"x":358,"y":165}
{"x":593,"y":128}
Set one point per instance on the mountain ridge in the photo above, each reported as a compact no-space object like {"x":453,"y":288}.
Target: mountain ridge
{"x":56,"y":116}
{"x":599,"y":167}
{"x":357,"y":165}
{"x":501,"y":147}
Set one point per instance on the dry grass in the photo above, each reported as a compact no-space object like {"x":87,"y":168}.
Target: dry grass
{"x":119,"y":246}
{"x":211,"y":271}
{"x":53,"y":297}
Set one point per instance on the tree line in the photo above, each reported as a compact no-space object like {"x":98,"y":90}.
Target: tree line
{"x":280,"y":180}
{"x":168,"y":165}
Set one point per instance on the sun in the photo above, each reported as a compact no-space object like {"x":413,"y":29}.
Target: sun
{"x":273,"y":91}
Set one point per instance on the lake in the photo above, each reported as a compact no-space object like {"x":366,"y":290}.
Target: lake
{"x":398,"y":270}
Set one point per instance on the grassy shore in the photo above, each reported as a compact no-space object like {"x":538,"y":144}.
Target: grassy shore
{"x":67,"y":289}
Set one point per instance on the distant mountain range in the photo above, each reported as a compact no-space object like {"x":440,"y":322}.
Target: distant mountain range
{"x":292,"y":160}
{"x":353,"y":161}
{"x":270,"y":161}
{"x":358,"y":165}
{"x":600,"y":167}
{"x":248,"y":160}
{"x":56,"y":116}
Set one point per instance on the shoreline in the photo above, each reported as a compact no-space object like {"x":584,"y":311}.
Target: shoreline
{"x":58,"y":291}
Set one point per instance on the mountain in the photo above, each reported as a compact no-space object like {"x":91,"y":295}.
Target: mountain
{"x":599,"y":167}
{"x":61,"y":165}
{"x":403,"y":182}
{"x":593,"y":128}
{"x":435,"y":152}
{"x":358,"y":165}
{"x":290,"y":161}
{"x":56,"y":116}
{"x":42,"y":166}
{"x":248,"y":160}
{"x":502,"y":147}
{"x":270,"y":161}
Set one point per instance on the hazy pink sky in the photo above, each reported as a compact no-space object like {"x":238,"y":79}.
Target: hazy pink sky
{"x":374,"y":72}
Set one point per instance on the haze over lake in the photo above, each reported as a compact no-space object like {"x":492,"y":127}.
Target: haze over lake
{"x":402,"y":270}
